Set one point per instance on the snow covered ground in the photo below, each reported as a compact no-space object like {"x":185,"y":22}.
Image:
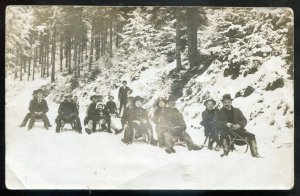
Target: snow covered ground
{"x":43,"y":159}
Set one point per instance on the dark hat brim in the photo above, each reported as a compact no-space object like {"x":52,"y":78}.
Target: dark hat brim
{"x":227,"y":99}
{"x":92,"y":97}
{"x":138,"y":99}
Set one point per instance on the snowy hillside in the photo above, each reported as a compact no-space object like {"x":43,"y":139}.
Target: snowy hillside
{"x":246,"y":53}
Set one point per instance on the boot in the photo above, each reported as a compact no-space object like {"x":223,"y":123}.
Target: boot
{"x":88,"y":131}
{"x":210,"y":145}
{"x":153,"y":142}
{"x":217,"y":148}
{"x":225,"y":147}
{"x":253,"y":148}
{"x":103,"y":127}
{"x":194,"y":147}
{"x":170,"y":150}
{"x":118,"y":131}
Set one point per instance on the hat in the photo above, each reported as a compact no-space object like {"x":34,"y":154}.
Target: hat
{"x":226,"y":97}
{"x":99,"y":103}
{"x":211,"y":99}
{"x":92,"y":97}
{"x":124,"y":81}
{"x":160,"y":99}
{"x":34,"y":92}
{"x":39,"y":91}
{"x":138,"y":98}
{"x":110,"y":96}
{"x":68,"y":95}
{"x":172,"y":98}
{"x":130,"y":99}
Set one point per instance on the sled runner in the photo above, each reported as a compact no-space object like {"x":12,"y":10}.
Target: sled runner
{"x":71,"y":122}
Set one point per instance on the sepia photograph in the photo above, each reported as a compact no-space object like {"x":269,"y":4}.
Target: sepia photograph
{"x":149,"y":97}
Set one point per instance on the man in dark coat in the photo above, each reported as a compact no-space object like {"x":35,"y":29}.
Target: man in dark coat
{"x":207,"y":121}
{"x":175,"y":128}
{"x":38,"y":109}
{"x":68,"y":111}
{"x":27,"y":117}
{"x":123,"y":94}
{"x":229,"y":119}
{"x":126,"y":117}
{"x":111,"y":106}
{"x":139,"y":122}
{"x":91,"y":115}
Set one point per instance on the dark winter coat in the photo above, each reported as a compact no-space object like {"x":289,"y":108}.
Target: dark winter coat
{"x":111,"y":107}
{"x":91,"y":109}
{"x":159,"y":115}
{"x":35,"y":106}
{"x":139,"y":114}
{"x":208,"y":121}
{"x":102,"y":114}
{"x":127,"y":115}
{"x":123,"y":93}
{"x":175,"y":118}
{"x":221,"y":118}
{"x":68,"y":108}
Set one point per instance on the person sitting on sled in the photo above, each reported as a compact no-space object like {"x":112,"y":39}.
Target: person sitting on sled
{"x":230,"y":120}
{"x":111,"y":106}
{"x":174,"y":128}
{"x":207,"y":122}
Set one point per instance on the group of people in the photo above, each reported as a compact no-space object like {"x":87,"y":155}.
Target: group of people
{"x":169,"y":123}
{"x":219,"y":125}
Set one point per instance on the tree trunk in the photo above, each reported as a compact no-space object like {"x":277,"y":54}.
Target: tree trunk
{"x":53,"y":56}
{"x":193,"y":53}
{"x":177,"y":37}
{"x":42,"y":60}
{"x":110,"y":39}
{"x":21,"y":70}
{"x":75,"y":59}
{"x":17,"y":64}
{"x":61,"y":53}
{"x":69,"y":56}
{"x":117,"y":35}
{"x":82,"y":44}
{"x":47,"y":56}
{"x":34,"y":64}
{"x":29,"y":64}
{"x":97,"y":47}
{"x":102,"y":45}
{"x":24,"y":66}
{"x":79,"y":46}
{"x":66,"y":52}
{"x":92,"y":44}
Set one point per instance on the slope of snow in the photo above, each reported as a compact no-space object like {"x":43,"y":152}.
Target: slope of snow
{"x":41,"y":159}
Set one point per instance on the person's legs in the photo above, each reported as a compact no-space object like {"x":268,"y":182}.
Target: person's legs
{"x":45,"y":120}
{"x":251,"y":140}
{"x":225,"y":141}
{"x":187,"y":138}
{"x":169,"y":141}
{"x":128,"y":134}
{"x":25,"y":120}
{"x":31,"y":121}
{"x":58,"y":123}
{"x":78,"y":124}
{"x":160,"y":135}
{"x":122,"y":103}
{"x":90,"y":126}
